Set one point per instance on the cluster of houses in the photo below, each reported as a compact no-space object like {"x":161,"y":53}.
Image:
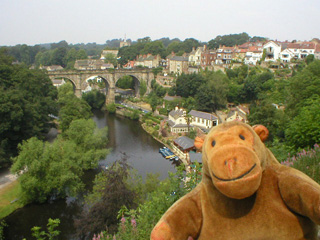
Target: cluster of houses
{"x":249,"y":53}
{"x":181,"y":122}
{"x":202,"y":57}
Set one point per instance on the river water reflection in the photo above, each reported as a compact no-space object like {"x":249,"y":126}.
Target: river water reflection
{"x":125,"y":137}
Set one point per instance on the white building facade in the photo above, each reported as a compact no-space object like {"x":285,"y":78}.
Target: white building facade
{"x":272,"y":50}
{"x":203,"y":119}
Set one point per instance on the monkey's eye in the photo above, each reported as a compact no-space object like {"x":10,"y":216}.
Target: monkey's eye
{"x":213,"y":143}
{"x":242,"y":137}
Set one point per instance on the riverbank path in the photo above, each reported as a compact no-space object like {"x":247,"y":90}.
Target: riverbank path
{"x":6,"y":177}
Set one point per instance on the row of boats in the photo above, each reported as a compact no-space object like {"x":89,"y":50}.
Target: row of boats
{"x":168,"y":154}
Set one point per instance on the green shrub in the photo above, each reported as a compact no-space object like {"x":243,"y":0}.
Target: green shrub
{"x":135,"y":115}
{"x":307,"y":161}
{"x":155,"y":133}
{"x":111,"y":108}
{"x":138,"y":224}
{"x":149,"y":122}
{"x":95,"y":99}
{"x":163,"y":111}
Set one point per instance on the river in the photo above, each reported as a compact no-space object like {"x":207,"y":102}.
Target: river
{"x":125,"y":137}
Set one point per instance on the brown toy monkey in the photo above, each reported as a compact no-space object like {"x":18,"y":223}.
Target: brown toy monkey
{"x":244,"y":193}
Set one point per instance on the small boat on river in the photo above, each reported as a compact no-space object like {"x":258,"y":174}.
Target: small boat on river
{"x":168,"y":154}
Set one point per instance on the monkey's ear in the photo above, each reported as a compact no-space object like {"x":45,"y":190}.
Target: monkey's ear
{"x":198,"y":142}
{"x":262,"y":132}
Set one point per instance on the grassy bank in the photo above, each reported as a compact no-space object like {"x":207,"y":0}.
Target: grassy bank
{"x":8,"y":194}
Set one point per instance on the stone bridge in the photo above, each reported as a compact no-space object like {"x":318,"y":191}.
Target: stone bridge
{"x":79,"y":79}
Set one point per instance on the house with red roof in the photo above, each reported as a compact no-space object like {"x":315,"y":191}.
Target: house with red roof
{"x":317,"y":52}
{"x":302,"y":50}
{"x":253,"y":55}
{"x":224,"y":55}
{"x":208,"y":58}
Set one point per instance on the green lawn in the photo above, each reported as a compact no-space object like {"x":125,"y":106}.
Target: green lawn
{"x":8,"y":194}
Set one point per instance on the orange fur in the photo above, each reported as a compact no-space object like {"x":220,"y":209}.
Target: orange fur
{"x":244,"y":193}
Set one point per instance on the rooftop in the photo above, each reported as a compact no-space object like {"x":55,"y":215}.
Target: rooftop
{"x":177,"y":113}
{"x":184,"y":143}
{"x":203,"y":115}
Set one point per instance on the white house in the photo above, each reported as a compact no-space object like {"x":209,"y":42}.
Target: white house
{"x":302,"y":50}
{"x":253,"y":55}
{"x":272,"y":50}
{"x":203,"y":119}
{"x":238,"y":114}
{"x":195,"y":56}
{"x":177,"y":121}
{"x":58,"y":82}
{"x":286,"y":55}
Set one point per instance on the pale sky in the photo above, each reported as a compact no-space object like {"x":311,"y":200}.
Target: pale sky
{"x":82,"y":21}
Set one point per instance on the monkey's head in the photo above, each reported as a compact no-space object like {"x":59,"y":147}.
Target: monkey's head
{"x":234,"y":157}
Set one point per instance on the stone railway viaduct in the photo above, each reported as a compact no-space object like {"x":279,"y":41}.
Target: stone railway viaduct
{"x":79,"y":79}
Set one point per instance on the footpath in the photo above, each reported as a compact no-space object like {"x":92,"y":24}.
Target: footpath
{"x":6,"y":177}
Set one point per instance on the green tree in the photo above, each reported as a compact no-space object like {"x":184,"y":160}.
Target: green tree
{"x":138,"y":223}
{"x":174,"y":46}
{"x":45,"y":58}
{"x":228,"y":40}
{"x":154,"y":48}
{"x":55,"y":169}
{"x":302,"y":130}
{"x":143,"y":88}
{"x":58,"y":56}
{"x":52,"y":233}
{"x":303,"y":85}
{"x":212,"y":95}
{"x":111,"y":108}
{"x":125,"y":82}
{"x":255,"y":84}
{"x":188,"y":84}
{"x":274,"y":119}
{"x":189,"y":103}
{"x":2,"y":226}
{"x":110,"y":58}
{"x":27,"y":97}
{"x":153,"y":101}
{"x":156,"y":71}
{"x":81,"y":54}
{"x":71,"y":107}
{"x":309,"y":58}
{"x":110,"y":192}
{"x":189,"y":43}
{"x":128,"y":53}
{"x":94,"y":98}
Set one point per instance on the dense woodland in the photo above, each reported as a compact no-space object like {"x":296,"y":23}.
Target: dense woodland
{"x":65,"y":54}
{"x":28,"y":97}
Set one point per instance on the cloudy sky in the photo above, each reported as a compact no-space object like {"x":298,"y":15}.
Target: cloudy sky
{"x":82,"y":21}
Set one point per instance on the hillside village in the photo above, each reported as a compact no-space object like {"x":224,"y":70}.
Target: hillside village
{"x":270,"y":54}
{"x":250,"y":53}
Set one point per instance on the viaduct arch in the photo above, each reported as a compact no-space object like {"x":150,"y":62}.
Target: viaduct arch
{"x":110,"y":76}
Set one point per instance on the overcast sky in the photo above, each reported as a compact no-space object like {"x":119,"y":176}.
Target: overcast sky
{"x":82,"y":21}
